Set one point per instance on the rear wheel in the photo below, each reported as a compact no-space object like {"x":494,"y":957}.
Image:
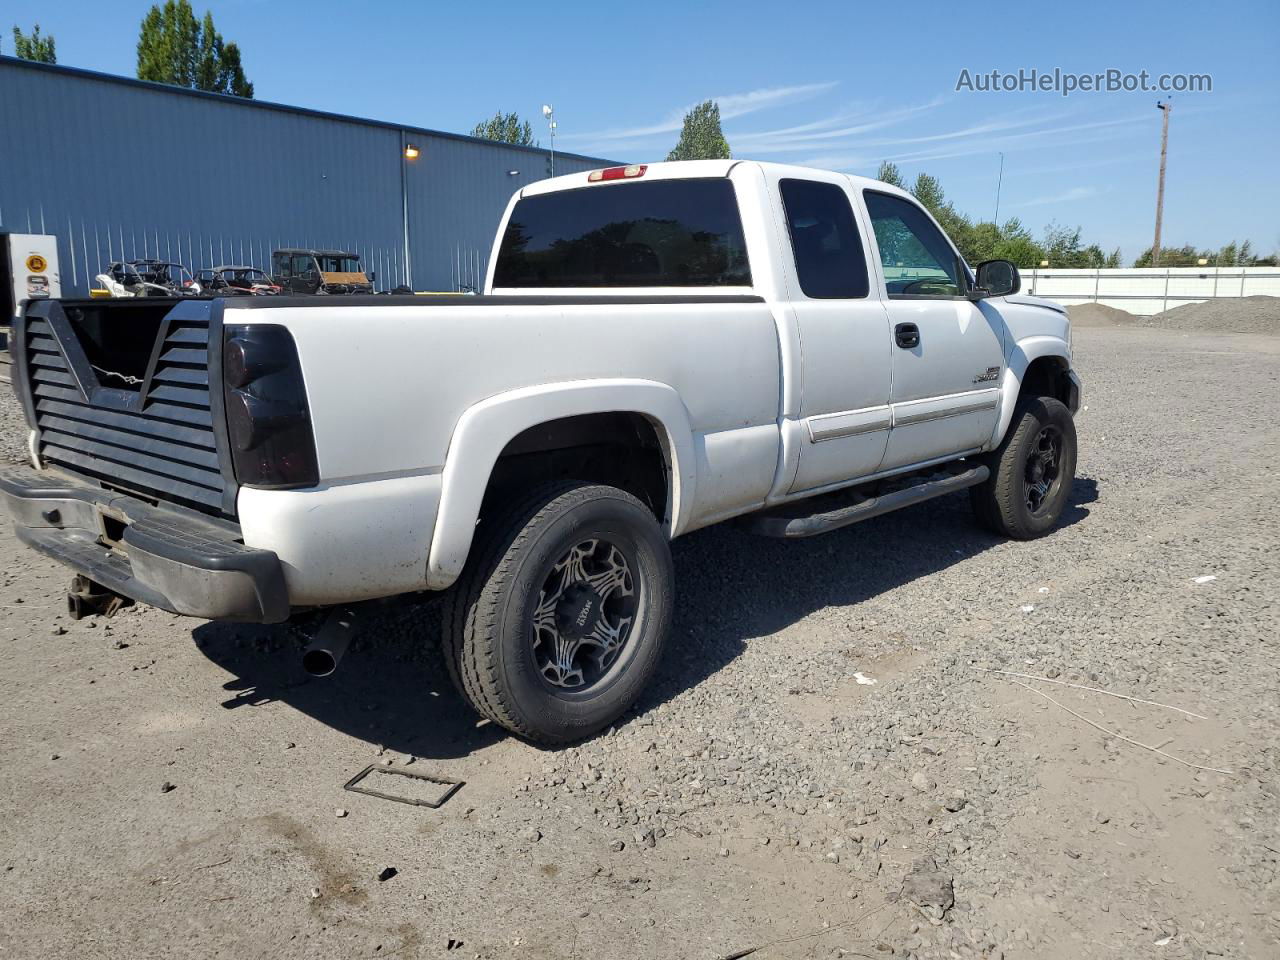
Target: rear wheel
{"x":559,"y":623}
{"x":1031,"y":471}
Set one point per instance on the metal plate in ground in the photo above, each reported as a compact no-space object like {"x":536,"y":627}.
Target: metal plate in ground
{"x":356,"y":785}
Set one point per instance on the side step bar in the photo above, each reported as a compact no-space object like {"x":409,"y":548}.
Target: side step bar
{"x":810,"y":525}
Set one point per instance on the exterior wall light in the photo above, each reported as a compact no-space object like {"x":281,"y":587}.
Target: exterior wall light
{"x":410,"y":151}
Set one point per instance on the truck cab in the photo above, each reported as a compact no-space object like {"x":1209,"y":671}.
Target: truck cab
{"x":303,"y":271}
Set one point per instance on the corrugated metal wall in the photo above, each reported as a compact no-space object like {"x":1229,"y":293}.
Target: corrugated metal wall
{"x":117,"y":170}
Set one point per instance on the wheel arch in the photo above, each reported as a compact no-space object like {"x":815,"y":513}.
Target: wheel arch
{"x":486,"y":429}
{"x":1042,"y":364}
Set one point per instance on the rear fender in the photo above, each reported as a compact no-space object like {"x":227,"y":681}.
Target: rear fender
{"x":487,"y":427}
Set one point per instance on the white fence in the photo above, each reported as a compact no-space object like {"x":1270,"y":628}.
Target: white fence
{"x":1149,"y":290}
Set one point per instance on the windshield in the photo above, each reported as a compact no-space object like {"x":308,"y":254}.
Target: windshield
{"x":330,"y":264}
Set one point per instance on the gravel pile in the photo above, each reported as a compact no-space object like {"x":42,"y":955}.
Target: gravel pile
{"x":1243,"y":315}
{"x":1097,"y":315}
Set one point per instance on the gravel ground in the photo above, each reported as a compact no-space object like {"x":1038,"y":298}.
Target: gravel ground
{"x":13,"y":427}
{"x":824,"y":768}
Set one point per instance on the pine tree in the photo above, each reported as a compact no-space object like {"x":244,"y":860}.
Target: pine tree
{"x":701,"y":137}
{"x":173,"y":47}
{"x":506,"y":128}
{"x":33,"y":46}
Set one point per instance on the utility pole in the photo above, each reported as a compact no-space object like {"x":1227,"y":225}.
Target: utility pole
{"x":1165,"y":109}
{"x":999,"y":183}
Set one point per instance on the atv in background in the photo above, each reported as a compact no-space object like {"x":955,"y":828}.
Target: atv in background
{"x":318,"y":271}
{"x":148,"y":278}
{"x":235,"y":281}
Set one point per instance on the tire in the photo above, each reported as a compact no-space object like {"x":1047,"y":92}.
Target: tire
{"x":1019,"y":499}
{"x":560,"y":621}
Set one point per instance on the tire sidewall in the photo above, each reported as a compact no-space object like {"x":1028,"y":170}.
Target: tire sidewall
{"x":624,"y":521}
{"x":1034,"y":416}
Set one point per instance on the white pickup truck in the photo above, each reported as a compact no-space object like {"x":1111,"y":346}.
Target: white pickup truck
{"x":659,"y":347}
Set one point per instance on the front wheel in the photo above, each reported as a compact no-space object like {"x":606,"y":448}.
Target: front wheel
{"x":560,"y":620}
{"x":1031,"y":471}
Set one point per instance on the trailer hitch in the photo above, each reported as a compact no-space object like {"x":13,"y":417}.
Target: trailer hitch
{"x":87,"y":598}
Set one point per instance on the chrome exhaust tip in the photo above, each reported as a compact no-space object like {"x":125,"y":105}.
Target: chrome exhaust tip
{"x":320,"y":663}
{"x":323,"y":654}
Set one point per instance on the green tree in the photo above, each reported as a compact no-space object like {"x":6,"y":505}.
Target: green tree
{"x":32,"y":46}
{"x":928,"y":190}
{"x":888,"y":173}
{"x":1095,"y":256}
{"x":1231,"y":255}
{"x":173,"y":47}
{"x":1062,"y":247}
{"x":701,"y":137}
{"x":506,"y":128}
{"x":1020,"y":249}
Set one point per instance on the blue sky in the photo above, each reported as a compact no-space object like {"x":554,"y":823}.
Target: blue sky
{"x":840,"y":85}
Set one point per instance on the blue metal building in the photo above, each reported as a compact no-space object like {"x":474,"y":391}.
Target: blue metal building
{"x":119,"y":169}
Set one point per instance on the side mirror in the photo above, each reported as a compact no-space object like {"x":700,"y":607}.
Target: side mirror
{"x":995,"y":278}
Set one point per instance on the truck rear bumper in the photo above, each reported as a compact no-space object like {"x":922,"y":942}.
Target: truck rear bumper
{"x":165,"y":558}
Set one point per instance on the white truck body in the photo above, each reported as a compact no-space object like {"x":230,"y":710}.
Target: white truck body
{"x":285,"y":453}
{"x":759,"y":401}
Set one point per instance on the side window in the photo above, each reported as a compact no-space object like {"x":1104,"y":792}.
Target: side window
{"x":917,"y":259}
{"x":830,"y":263}
{"x":280,"y":264}
{"x":302,"y":265}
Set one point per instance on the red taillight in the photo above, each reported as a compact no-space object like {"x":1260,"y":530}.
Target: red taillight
{"x":617,"y":173}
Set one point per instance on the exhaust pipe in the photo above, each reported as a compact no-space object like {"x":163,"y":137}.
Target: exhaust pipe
{"x":325,"y":652}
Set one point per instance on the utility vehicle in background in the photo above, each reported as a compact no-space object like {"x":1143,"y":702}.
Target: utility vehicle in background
{"x":236,"y":281}
{"x":318,"y":271}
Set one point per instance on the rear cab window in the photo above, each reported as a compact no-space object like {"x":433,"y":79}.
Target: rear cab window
{"x":660,"y":233}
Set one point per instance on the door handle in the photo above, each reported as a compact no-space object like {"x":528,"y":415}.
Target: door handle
{"x":906,"y":335}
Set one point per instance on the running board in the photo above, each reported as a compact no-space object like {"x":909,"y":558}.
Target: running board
{"x":771,"y":524}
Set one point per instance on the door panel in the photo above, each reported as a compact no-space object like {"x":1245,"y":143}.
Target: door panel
{"x":846,"y":389}
{"x":943,"y":398}
{"x":844,"y":407}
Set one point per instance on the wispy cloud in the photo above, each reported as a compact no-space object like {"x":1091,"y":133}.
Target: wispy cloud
{"x":824,"y":133}
{"x":731,"y":105}
{"x":739,"y":104}
{"x":968,"y":143}
{"x":1066,"y":196}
